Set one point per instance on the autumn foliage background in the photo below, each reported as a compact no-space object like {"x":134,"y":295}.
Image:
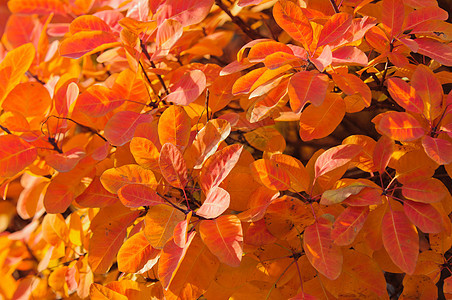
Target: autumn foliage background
{"x":246,"y":149}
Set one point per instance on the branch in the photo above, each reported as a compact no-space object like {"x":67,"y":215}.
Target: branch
{"x":5,"y":129}
{"x":336,"y":9}
{"x":81,"y":125}
{"x":146,"y":53}
{"x":239,"y":22}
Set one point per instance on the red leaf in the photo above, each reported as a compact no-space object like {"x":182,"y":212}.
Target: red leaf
{"x":425,"y":14}
{"x":307,"y":86}
{"x":137,"y":195}
{"x":400,"y":126}
{"x":320,"y":250}
{"x":98,"y":100}
{"x":172,"y":165}
{"x":400,"y":239}
{"x":290,"y":17}
{"x":382,"y":153}
{"x":324,"y":59}
{"x":439,"y":150}
{"x":64,"y":162}
{"x":186,"y":12}
{"x":335,"y":157}
{"x":216,"y":203}
{"x":348,"y":224}
{"x":426,"y":191}
{"x":424,"y":216}
{"x":334,"y":28}
{"x":224,"y":238}
{"x":218,"y":166}
{"x":349,"y":55}
{"x":121,"y":127}
{"x":96,"y":195}
{"x":393,"y":16}
{"x":430,"y":90}
{"x":188,"y":88}
{"x":85,"y":42}
{"x":170,"y":260}
{"x":405,"y":95}
{"x":15,"y":155}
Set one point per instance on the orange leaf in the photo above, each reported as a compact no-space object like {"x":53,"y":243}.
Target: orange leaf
{"x":334,"y":28}
{"x":98,"y":291}
{"x":41,"y":7}
{"x":243,"y":84}
{"x":307,"y":86}
{"x":426,"y":191}
{"x":14,"y":66}
{"x":64,"y":162}
{"x":121,"y":127}
{"x":436,"y":50}
{"x":172,"y":165}
{"x":429,"y":89}
{"x":318,"y":122}
{"x":424,"y":216}
{"x":186,"y":12}
{"x":266,"y":139}
{"x":382,"y":153}
{"x":54,"y":229}
{"x":107,"y":239}
{"x":96,"y":195}
{"x":218,"y":166}
{"x":170,"y":260}
{"x":206,"y":142}
{"x":348,"y":224}
{"x":188,"y":88}
{"x":290,"y":17}
{"x":196,"y":272}
{"x":88,"y":23}
{"x":261,"y":50}
{"x":401,"y":240}
{"x":224,"y":238}
{"x":98,"y":100}
{"x":160,"y":222}
{"x":145,"y":153}
{"x":425,"y":14}
{"x":270,"y":174}
{"x":405,"y":95}
{"x":137,"y":195}
{"x":260,"y":199}
{"x":299,"y":176}
{"x":86,"y":42}
{"x":29,"y":98}
{"x":318,"y":245}
{"x":174,"y":127}
{"x":351,"y":84}
{"x":216,"y":203}
{"x":15,"y":155}
{"x":439,"y":150}
{"x":113,"y":179}
{"x":334,"y":158}
{"x":393,"y":16}
{"x":400,"y":126}
{"x":136,"y":253}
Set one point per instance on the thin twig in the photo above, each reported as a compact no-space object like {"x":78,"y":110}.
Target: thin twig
{"x":336,"y":9}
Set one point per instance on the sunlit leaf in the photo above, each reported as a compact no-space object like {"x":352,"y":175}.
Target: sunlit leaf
{"x":335,"y":157}
{"x":29,"y":98}
{"x":187,"y":88}
{"x":137,"y":195}
{"x":307,"y":86}
{"x":290,"y":17}
{"x":216,"y":203}
{"x":424,"y":216}
{"x":85,"y":42}
{"x":121,"y":127}
{"x":224,"y":238}
{"x":160,"y":222}
{"x":400,"y":126}
{"x":318,"y":245}
{"x":318,"y":122}
{"x":173,"y":166}
{"x":15,"y":155}
{"x":405,"y":95}
{"x":439,"y":150}
{"x":426,"y":191}
{"x":331,"y":197}
{"x":348,"y":224}
{"x":334,"y":28}
{"x":98,"y":100}
{"x":113,"y":179}
{"x":270,"y":174}
{"x":393,"y":16}
{"x":174,"y":127}
{"x":429,"y":89}
{"x":218,"y":166}
{"x":400,"y":239}
{"x":135,"y":253}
